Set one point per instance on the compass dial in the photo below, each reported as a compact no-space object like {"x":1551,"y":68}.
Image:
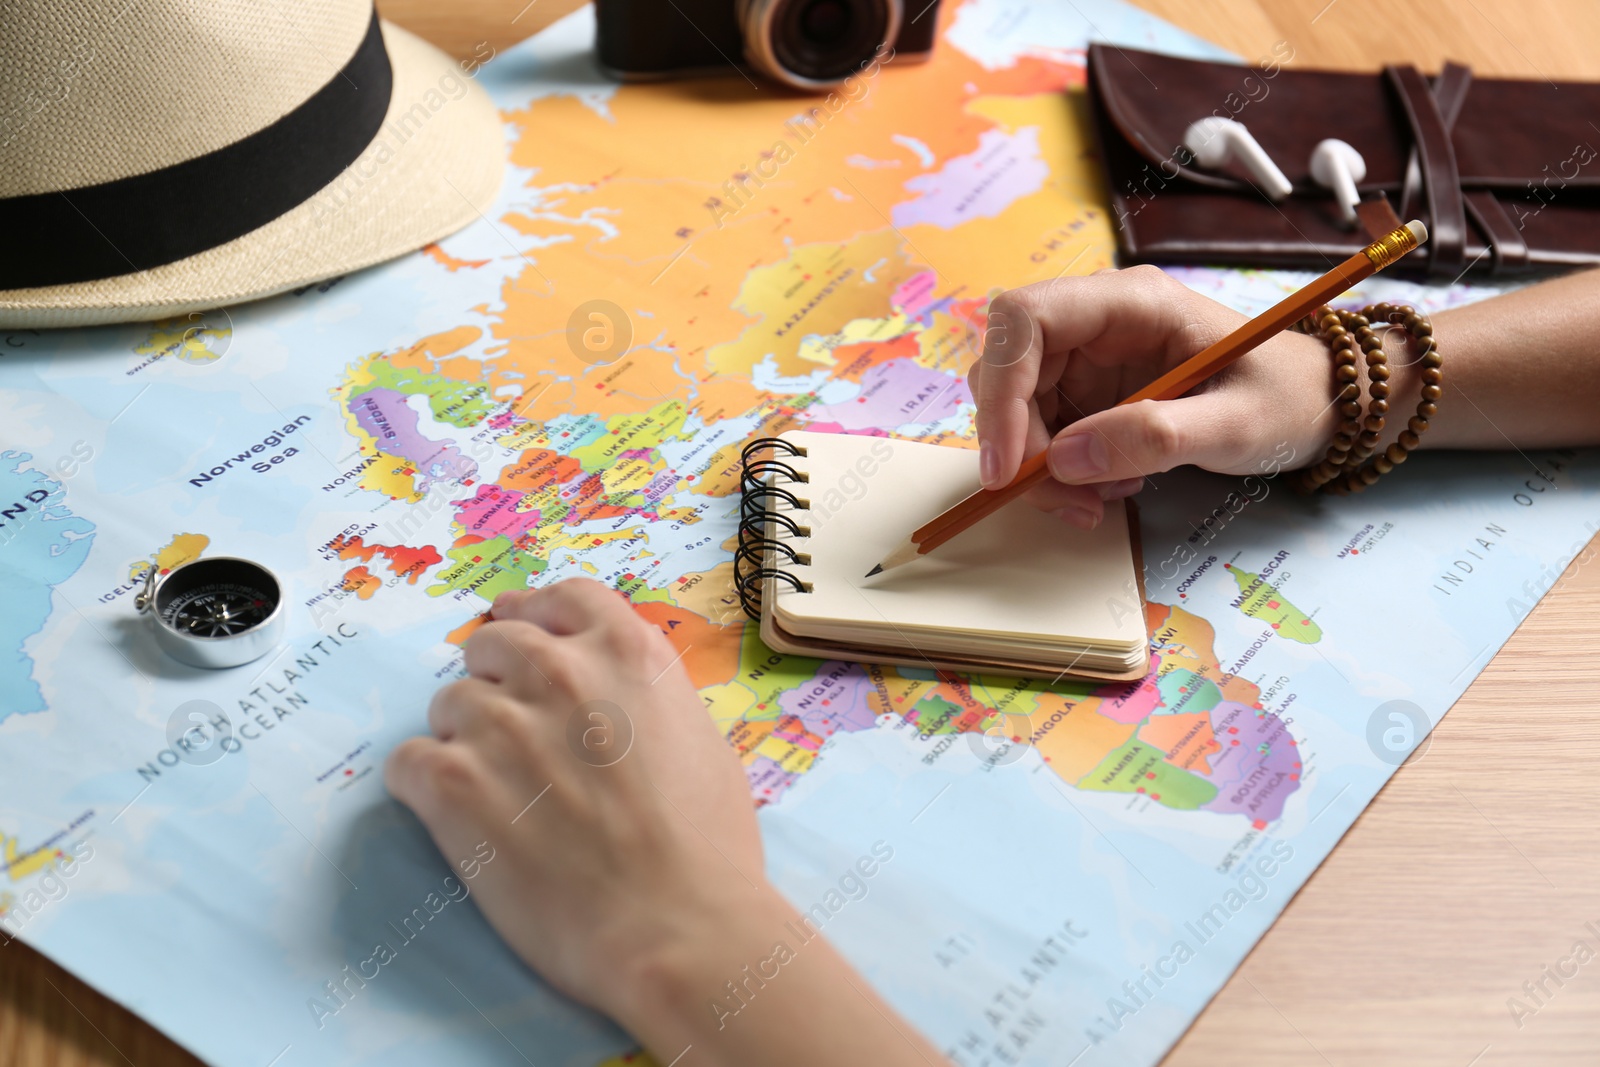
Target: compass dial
{"x":217,"y":609}
{"x":220,"y":611}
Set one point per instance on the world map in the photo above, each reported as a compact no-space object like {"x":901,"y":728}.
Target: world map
{"x":563,"y":389}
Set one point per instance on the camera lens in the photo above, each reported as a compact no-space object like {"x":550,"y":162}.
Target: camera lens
{"x":812,"y":44}
{"x":824,"y":22}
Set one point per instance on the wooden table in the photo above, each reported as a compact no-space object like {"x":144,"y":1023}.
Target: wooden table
{"x":1472,"y":871}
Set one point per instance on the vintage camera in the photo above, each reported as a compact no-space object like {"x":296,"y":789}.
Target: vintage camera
{"x":806,"y":44}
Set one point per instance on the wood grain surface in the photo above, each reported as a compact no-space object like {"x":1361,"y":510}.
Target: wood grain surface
{"x":1476,"y":867}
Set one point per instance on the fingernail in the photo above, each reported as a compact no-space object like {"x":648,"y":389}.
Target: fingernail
{"x":988,"y":465}
{"x":1078,"y":457}
{"x":1119,"y":490}
{"x":1082,"y":518}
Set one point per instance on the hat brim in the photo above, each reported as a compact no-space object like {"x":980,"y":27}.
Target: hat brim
{"x":434,"y":166}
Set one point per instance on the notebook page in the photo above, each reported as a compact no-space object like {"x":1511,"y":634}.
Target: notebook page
{"x":1020,"y":572}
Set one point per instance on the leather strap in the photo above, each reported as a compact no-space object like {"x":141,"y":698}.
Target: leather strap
{"x":1449,"y":93}
{"x":1441,"y":183}
{"x":1510,"y":249}
{"x":144,"y":221}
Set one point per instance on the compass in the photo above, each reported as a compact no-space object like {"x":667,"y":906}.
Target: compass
{"x":216,"y":612}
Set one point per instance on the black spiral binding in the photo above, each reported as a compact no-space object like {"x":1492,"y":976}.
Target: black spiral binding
{"x":758,"y":556}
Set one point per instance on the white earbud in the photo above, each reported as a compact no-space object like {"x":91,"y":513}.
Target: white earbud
{"x":1214,"y":140}
{"x":1338,"y":166}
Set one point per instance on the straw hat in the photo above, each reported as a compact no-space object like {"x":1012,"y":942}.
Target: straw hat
{"x":164,"y":156}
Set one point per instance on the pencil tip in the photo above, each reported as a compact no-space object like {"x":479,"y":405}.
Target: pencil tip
{"x":876,"y":570}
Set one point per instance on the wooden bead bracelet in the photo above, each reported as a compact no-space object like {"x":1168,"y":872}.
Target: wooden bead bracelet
{"x":1345,"y":467}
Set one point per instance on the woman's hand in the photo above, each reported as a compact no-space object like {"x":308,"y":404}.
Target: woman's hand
{"x":580,"y":751}
{"x":627,"y":865}
{"x":1058,"y":356}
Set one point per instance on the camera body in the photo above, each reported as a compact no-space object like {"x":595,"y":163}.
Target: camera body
{"x":806,"y":44}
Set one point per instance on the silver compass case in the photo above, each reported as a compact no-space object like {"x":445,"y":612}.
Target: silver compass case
{"x":216,"y":612}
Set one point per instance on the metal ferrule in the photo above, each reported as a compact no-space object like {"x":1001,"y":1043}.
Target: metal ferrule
{"x":1390,"y":247}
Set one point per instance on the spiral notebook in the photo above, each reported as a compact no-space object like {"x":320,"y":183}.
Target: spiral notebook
{"x":1021,"y":593}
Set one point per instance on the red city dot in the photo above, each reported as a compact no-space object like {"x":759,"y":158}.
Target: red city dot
{"x":1139,"y":790}
{"x":1305,"y":622}
{"x":1235,"y":741}
{"x":1354,"y":552}
{"x":1155,"y":796}
{"x":1150,"y":774}
{"x":1227,"y":566}
{"x":1275,"y":626}
{"x":1272,"y":604}
{"x":347,"y":770}
{"x":1233,"y":729}
{"x":1259,"y":824}
{"x":1294,"y":777}
{"x":1183,"y":596}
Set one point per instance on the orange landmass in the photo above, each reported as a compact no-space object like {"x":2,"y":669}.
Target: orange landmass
{"x":459,"y":635}
{"x":424,"y":354}
{"x":362,"y":582}
{"x":1185,"y":640}
{"x":720,"y":397}
{"x":709,"y":274}
{"x":1186,"y":739}
{"x":1072,"y":738}
{"x":853,"y":361}
{"x":710,"y":652}
{"x":449,"y":262}
{"x":409,"y":563}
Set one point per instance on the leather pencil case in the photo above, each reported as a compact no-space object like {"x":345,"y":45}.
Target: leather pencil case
{"x":1505,"y":172}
